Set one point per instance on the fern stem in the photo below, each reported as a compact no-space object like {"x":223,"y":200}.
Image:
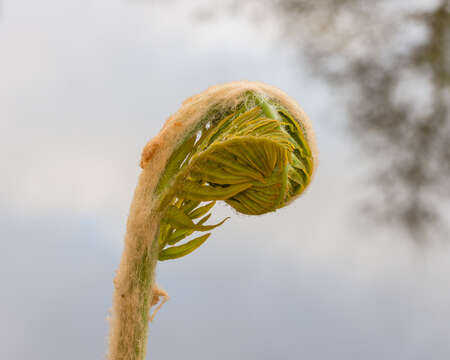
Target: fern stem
{"x":135,"y":276}
{"x":232,"y":143}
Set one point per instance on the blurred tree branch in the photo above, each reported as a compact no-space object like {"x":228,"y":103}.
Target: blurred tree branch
{"x":395,"y":63}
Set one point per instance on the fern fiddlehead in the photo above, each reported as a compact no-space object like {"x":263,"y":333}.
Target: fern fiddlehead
{"x":245,"y":143}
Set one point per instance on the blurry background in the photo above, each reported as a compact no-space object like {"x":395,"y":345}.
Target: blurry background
{"x":357,"y":268}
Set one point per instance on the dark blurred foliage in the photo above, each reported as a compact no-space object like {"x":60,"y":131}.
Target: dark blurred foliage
{"x":397,"y":65}
{"x":393,"y":61}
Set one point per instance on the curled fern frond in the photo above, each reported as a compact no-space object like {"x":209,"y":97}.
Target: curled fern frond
{"x":255,"y":158}
{"x":245,"y":143}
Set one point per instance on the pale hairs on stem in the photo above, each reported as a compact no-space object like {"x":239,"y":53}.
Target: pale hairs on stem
{"x":246,"y":143}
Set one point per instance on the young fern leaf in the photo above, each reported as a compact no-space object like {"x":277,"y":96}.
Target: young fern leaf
{"x":178,"y":235}
{"x":189,"y":205}
{"x":179,"y":220}
{"x":176,"y":252}
{"x":194,"y":191}
{"x":175,"y":162}
{"x":202,"y":210}
{"x":245,"y":143}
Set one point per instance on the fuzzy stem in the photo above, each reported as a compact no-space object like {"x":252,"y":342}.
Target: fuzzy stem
{"x":250,"y":152}
{"x":135,"y":276}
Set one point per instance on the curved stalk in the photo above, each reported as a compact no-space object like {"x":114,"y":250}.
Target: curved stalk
{"x":245,"y":143}
{"x":135,"y":277}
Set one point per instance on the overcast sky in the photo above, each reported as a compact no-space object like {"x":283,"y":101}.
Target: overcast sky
{"x":83,"y":86}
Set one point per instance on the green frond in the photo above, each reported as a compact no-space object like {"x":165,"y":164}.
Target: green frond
{"x":202,"y":210}
{"x":195,"y":191}
{"x":189,"y":205}
{"x":175,"y":252}
{"x":175,"y":162}
{"x":178,"y":235}
{"x":255,"y":158}
{"x":179,"y":220}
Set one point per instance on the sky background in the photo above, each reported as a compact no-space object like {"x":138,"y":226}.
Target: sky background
{"x":83,"y":86}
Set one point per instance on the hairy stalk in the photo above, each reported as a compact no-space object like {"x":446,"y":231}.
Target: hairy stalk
{"x":135,"y":277}
{"x":245,"y":143}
